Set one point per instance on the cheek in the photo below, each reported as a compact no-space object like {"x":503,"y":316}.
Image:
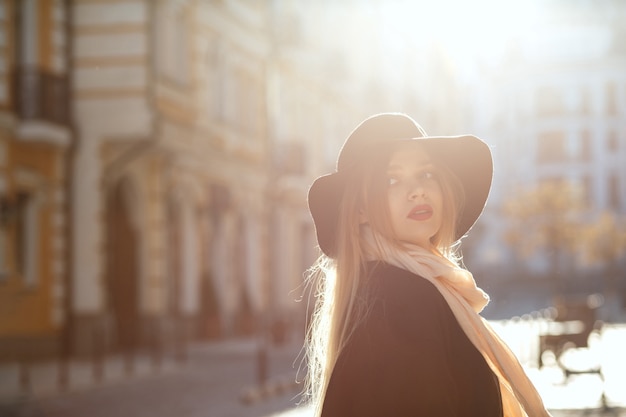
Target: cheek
{"x":436,"y":199}
{"x":436,"y":194}
{"x":393,"y":200}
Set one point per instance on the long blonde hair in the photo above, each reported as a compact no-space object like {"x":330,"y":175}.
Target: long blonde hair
{"x":341,"y":301}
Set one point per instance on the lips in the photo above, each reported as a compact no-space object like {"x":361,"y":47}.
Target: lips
{"x":421,"y":212}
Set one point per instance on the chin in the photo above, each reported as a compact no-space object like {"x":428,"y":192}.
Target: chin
{"x":422,"y":244}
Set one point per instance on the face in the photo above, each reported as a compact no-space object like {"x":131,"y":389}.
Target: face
{"x":414,"y":195}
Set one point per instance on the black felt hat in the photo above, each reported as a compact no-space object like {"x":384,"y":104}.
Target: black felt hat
{"x":468,"y":157}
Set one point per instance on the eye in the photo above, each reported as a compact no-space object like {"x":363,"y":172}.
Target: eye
{"x":391,"y":180}
{"x":428,"y":175}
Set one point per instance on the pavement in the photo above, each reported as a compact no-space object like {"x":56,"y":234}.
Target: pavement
{"x":595,"y":381}
{"x":223,"y":379}
{"x":219,"y":379}
{"x":584,"y":392}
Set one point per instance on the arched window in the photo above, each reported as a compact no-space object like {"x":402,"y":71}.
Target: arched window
{"x":173,"y":40}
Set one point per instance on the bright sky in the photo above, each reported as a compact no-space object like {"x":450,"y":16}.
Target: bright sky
{"x":466,"y":32}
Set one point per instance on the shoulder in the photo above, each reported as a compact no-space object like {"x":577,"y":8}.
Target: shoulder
{"x":391,"y":282}
{"x":410,"y":305}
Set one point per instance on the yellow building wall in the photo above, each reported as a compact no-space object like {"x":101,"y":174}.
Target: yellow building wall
{"x":7,"y":50}
{"x":25,"y":310}
{"x":44,"y":41}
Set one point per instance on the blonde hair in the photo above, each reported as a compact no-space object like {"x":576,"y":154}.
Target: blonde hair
{"x":339,"y":283}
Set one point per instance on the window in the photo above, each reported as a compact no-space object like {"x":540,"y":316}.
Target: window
{"x":614,"y":193}
{"x":585,"y":145}
{"x":551,"y":147}
{"x":612,"y":142}
{"x":585,"y":107}
{"x":611,"y":99}
{"x":587,"y":189}
{"x":173,"y":41}
{"x":549,"y":102}
{"x":26,"y":242}
{"x":26,"y":33}
{"x":251,"y":104}
{"x":289,"y":158}
{"x":19,"y":228}
{"x":214,"y":93}
{"x":4,"y":249}
{"x":231,"y":90}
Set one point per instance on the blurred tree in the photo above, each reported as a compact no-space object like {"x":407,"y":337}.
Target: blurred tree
{"x":546,"y":219}
{"x":604,"y":244}
{"x":605,"y":240}
{"x":554,"y":219}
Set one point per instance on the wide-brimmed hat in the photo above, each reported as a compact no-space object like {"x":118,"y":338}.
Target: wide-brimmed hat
{"x":468,"y":157}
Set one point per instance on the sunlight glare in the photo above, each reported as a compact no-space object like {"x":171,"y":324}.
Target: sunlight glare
{"x":464,"y":31}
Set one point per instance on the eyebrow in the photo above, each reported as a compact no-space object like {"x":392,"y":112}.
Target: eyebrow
{"x":427,"y":163}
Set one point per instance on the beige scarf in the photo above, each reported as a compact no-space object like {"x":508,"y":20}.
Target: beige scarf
{"x":457,"y":285}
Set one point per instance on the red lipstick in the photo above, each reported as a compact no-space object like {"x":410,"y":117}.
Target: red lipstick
{"x":421,"y":212}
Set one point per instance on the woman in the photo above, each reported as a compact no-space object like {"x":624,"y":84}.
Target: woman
{"x":396,"y":330}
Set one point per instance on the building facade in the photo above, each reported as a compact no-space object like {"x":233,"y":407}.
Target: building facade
{"x":555,"y":113}
{"x":186,"y":226}
{"x":36,"y":140}
{"x":553,"y":109}
{"x":164,"y":198}
{"x":155,"y":156}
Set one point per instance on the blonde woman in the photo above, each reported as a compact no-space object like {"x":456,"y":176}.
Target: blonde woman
{"x":396,"y":330}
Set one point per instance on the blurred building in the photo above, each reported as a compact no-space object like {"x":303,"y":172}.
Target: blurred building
{"x":155,"y":155}
{"x":155,"y":161}
{"x":553,"y":108}
{"x":36,"y":143}
{"x":189,"y":199}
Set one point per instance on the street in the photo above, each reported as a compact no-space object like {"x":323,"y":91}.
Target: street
{"x":219,"y":380}
{"x":214,"y":382}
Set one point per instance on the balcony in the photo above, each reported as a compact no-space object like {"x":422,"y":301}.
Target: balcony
{"x":40,"y":96}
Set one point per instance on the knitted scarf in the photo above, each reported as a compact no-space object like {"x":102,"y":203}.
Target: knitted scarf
{"x":457,"y":285}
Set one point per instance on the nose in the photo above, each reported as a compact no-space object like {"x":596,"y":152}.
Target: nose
{"x":416,"y":191}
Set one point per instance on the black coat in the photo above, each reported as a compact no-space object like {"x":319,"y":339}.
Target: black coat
{"x":410,"y":357}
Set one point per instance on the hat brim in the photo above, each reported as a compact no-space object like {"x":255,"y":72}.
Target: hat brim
{"x":468,"y":157}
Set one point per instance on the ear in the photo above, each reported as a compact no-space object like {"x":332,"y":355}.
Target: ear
{"x":363,"y":217}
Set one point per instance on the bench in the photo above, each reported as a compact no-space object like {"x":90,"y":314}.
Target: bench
{"x":573,"y":321}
